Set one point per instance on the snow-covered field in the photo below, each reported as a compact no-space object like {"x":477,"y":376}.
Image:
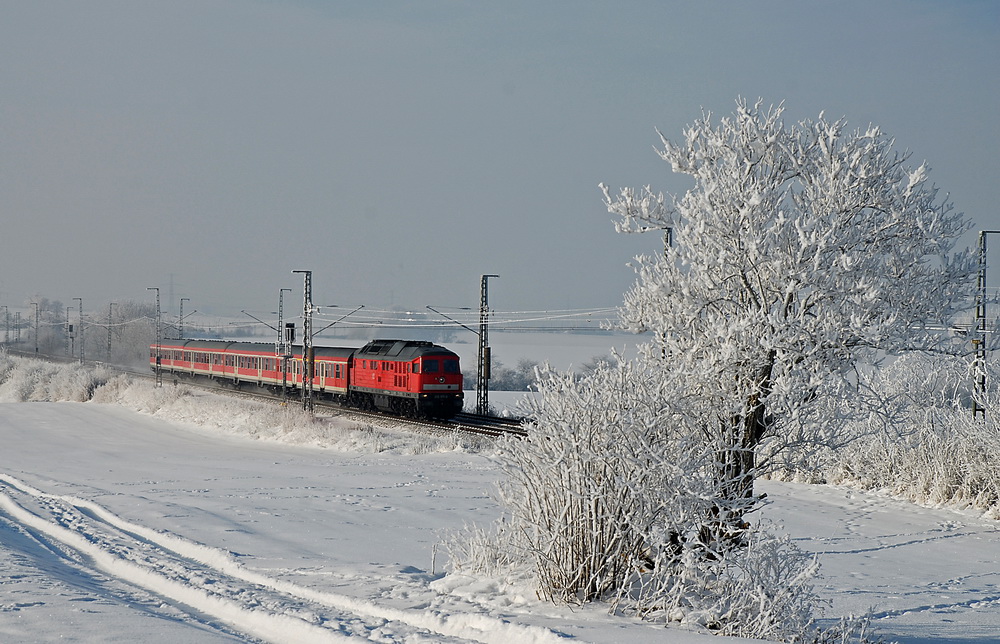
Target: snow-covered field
{"x":157,"y":516}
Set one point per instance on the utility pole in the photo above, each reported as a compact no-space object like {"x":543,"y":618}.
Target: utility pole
{"x":80,"y":330}
{"x":483,"y":370}
{"x":308,"y":355}
{"x":159,"y":341}
{"x":110,"y":305}
{"x":35,"y":304}
{"x":283,"y":347}
{"x":979,"y":342}
{"x":6,"y":327}
{"x":180,"y":319}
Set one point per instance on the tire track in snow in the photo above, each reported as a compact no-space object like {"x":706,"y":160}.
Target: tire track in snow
{"x":124,"y":552}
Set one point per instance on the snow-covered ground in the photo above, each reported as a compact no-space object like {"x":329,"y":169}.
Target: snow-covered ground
{"x":156,"y":516}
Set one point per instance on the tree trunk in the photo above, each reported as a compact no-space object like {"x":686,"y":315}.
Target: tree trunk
{"x":737,"y":461}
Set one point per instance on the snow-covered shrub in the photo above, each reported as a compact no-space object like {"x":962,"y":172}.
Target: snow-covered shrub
{"x":25,"y":380}
{"x":763,"y":590}
{"x":612,"y":497}
{"x":939,"y":452}
{"x":496,"y":553}
{"x":948,"y":458}
{"x":926,"y":446}
{"x":597,"y":475}
{"x":581,"y":490}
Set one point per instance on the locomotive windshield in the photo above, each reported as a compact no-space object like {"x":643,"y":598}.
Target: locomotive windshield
{"x":434,"y":366}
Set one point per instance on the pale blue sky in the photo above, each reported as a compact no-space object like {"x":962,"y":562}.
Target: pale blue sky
{"x":401,"y":149}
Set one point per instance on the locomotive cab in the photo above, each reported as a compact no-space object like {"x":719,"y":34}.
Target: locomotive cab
{"x":410,"y":377}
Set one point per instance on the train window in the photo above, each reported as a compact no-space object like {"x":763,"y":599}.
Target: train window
{"x":430,"y":366}
{"x":416,"y":368}
{"x":451,"y":366}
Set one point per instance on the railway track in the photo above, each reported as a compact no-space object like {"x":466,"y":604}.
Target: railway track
{"x":489,"y":426}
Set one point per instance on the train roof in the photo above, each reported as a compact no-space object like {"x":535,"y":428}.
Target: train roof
{"x":254,"y":347}
{"x":329,"y":352}
{"x":401,"y":349}
{"x":376,"y":349}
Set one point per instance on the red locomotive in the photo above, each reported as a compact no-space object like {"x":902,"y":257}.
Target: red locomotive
{"x":405,"y":377}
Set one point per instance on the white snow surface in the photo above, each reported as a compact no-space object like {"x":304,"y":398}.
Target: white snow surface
{"x":160,"y":517}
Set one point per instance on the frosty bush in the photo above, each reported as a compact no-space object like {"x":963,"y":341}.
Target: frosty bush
{"x":585,"y":488}
{"x":935,"y":452}
{"x":24,"y":380}
{"x":761,"y":591}
{"x":612,"y":497}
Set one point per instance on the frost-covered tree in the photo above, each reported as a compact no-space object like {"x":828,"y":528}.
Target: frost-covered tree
{"x":800,"y":252}
{"x":504,"y":378}
{"x":802,"y":256}
{"x":133,"y":329}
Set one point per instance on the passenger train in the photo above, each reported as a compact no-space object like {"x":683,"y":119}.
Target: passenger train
{"x":405,"y":377}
